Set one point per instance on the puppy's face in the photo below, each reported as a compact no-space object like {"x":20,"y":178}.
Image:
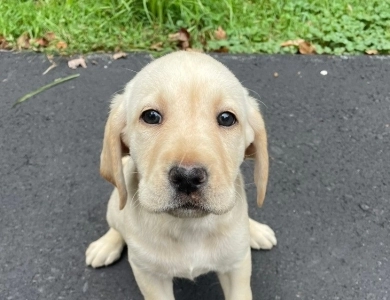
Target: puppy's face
{"x":187,"y":130}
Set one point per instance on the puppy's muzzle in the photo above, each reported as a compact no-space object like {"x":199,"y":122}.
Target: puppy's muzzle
{"x":187,"y":180}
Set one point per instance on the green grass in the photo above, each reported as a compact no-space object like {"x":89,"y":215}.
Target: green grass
{"x":252,"y":26}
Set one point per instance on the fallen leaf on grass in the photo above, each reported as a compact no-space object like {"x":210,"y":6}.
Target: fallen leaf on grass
{"x":220,"y":34}
{"x":157,"y":46}
{"x":182,"y":37}
{"x":74,"y":63}
{"x":50,"y":36}
{"x":291,"y":43}
{"x":3,"y":43}
{"x":44,"y":88}
{"x":61,"y":45}
{"x":119,"y":55}
{"x":371,"y":52}
{"x":306,"y":48}
{"x":303,"y":46}
{"x":41,"y":42}
{"x":23,"y":42}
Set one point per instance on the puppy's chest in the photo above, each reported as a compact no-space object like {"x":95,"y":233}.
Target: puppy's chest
{"x":191,"y":257}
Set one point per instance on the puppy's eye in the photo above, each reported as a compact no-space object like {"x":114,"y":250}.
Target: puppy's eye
{"x":151,"y":116}
{"x":226,"y":119}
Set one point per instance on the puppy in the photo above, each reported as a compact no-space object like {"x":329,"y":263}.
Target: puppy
{"x":173,"y":145}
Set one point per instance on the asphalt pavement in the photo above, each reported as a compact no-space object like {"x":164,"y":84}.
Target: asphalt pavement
{"x":328,"y":196}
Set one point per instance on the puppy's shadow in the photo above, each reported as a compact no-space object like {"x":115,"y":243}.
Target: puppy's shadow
{"x":203,"y":287}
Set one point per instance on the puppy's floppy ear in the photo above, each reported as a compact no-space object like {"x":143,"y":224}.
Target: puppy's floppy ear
{"x":257,"y":149}
{"x":114,"y":148}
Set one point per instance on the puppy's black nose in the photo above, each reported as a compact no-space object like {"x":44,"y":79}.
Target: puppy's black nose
{"x":187,"y":180}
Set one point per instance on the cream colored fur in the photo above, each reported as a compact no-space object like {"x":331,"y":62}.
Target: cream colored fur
{"x":189,"y":90}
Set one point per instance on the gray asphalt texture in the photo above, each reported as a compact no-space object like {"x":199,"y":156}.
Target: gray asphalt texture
{"x":328,"y":195}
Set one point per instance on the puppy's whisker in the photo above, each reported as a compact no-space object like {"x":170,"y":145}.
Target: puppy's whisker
{"x":136,"y":192}
{"x":182,"y":158}
{"x":136,"y":72}
{"x":117,"y":93}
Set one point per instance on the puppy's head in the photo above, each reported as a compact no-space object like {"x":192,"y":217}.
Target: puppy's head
{"x":188,"y":124}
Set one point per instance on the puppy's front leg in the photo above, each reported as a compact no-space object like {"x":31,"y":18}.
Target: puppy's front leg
{"x":236,"y":283}
{"x":153,"y":287}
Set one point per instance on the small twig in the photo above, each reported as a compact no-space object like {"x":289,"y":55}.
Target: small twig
{"x":53,"y":64}
{"x":44,"y":88}
{"x":49,"y":68}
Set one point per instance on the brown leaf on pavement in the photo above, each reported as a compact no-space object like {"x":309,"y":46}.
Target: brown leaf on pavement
{"x":182,"y":37}
{"x":74,"y":63}
{"x":371,"y":52}
{"x":119,"y":55}
{"x":23,"y":42}
{"x":220,"y":34}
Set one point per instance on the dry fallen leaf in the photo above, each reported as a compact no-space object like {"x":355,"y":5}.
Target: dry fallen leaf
{"x":119,"y":55}
{"x":3,"y":43}
{"x":182,"y":37}
{"x":50,"y":36}
{"x":303,"y":46}
{"x":291,"y":43}
{"x":61,"y":45}
{"x":306,"y":48}
{"x":23,"y":42}
{"x":371,"y":52}
{"x":156,"y":46}
{"x":74,"y":63}
{"x":43,"y":42}
{"x":220,"y":34}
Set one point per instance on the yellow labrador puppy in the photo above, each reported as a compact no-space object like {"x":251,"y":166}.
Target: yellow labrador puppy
{"x":173,"y":145}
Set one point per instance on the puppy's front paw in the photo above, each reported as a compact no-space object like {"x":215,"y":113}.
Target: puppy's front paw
{"x":105,"y":250}
{"x":262,"y":236}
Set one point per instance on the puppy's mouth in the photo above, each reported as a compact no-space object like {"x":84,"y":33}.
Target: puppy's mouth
{"x":188,"y":210}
